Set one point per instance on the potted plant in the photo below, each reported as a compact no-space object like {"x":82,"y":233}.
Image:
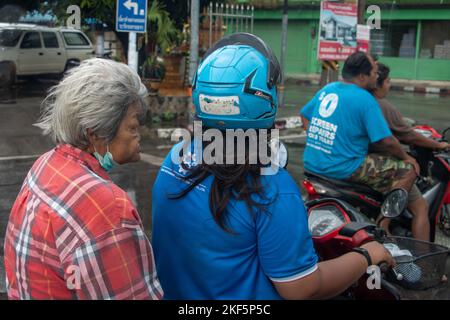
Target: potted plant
{"x":153,"y":72}
{"x":161,"y":37}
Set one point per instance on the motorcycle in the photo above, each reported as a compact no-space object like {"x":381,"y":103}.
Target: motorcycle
{"x":434,"y":183}
{"x":337,"y":227}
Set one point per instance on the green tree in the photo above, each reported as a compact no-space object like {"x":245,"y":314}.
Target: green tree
{"x":103,"y":10}
{"x":12,"y":10}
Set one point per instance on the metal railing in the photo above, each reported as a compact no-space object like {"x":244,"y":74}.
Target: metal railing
{"x":229,"y":18}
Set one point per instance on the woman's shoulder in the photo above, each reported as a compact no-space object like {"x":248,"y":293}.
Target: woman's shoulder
{"x":280,"y":182}
{"x":82,"y":200}
{"x":93,"y":199}
{"x":105,"y":208}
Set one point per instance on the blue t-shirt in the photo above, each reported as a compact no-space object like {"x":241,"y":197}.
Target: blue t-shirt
{"x":196,"y":259}
{"x":343,"y":120}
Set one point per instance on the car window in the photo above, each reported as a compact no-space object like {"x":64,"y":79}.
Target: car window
{"x":75,"y":39}
{"x":31,"y":40}
{"x":50,"y":40}
{"x":9,"y":37}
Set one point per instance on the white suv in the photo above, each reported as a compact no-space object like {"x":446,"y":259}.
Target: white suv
{"x":31,"y":50}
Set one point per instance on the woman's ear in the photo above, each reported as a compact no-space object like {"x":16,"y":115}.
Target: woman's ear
{"x":92,"y":137}
{"x":95,"y":142}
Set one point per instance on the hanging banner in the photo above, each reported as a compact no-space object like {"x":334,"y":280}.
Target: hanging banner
{"x":337,"y":32}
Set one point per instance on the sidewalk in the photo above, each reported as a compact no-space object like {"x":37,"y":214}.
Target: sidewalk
{"x":420,"y":86}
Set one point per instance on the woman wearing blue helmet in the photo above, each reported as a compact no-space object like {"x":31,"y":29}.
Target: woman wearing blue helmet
{"x":224,"y":230}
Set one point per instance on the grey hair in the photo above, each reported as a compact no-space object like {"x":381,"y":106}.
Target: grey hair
{"x":95,"y":95}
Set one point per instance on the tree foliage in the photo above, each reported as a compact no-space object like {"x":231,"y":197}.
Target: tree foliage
{"x":162,"y":31}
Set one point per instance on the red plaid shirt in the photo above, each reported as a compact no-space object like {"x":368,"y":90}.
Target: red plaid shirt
{"x":74,"y":234}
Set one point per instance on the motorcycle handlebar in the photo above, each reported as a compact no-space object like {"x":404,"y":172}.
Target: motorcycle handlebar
{"x":384,"y":267}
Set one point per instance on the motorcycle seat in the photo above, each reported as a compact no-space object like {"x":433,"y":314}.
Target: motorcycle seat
{"x":361,"y":188}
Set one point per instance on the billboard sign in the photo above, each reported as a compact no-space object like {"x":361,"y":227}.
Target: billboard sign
{"x":337,"y":31}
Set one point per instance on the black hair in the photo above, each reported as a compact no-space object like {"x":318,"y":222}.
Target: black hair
{"x":237,"y":181}
{"x":383,"y":74}
{"x":356,"y":64}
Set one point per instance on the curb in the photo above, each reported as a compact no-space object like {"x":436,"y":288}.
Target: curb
{"x":421,"y":89}
{"x":439,"y":89}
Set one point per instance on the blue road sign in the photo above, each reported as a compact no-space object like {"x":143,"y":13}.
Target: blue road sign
{"x":131,"y":16}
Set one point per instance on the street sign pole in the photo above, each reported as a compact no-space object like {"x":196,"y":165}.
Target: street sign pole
{"x":132,"y":53}
{"x":284,"y":30}
{"x":193,"y":59}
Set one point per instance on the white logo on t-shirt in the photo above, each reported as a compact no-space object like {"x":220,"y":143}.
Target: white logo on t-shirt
{"x":328,"y":105}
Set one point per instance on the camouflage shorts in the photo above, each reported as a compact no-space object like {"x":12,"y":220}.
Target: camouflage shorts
{"x":380,"y":172}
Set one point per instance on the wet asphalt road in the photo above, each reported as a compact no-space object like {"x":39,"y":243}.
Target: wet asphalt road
{"x":20,"y":108}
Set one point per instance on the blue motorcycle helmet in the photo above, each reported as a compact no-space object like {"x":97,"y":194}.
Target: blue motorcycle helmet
{"x":235,"y":85}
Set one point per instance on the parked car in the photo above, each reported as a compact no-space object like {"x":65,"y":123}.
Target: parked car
{"x":33,"y":50}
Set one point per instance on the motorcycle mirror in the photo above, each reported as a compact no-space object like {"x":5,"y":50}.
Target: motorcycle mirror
{"x":395,"y":203}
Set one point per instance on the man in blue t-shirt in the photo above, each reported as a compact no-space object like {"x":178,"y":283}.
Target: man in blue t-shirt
{"x":342,"y":120}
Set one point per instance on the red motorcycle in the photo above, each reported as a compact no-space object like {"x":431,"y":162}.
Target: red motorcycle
{"x":434,"y":183}
{"x":435,"y":168}
{"x":337,"y":227}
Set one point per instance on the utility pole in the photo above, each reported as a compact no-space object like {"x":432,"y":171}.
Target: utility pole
{"x":284,"y":31}
{"x":193,"y":57}
{"x":361,"y":11}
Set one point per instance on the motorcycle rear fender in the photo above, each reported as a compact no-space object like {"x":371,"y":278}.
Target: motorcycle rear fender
{"x":447,"y":194}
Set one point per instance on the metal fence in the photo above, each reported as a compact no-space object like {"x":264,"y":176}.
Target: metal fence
{"x":227,"y":19}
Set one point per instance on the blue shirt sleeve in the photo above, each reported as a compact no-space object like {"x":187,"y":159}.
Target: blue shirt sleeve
{"x":374,"y":121}
{"x":308,"y":109}
{"x":285,"y":246}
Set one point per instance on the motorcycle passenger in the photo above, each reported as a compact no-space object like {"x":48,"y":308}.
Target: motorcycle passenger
{"x":342,"y":119}
{"x":225,"y":230}
{"x":406,"y":135}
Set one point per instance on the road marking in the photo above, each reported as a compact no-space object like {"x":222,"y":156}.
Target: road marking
{"x":150,"y":159}
{"x":293,"y":136}
{"x":20,"y":157}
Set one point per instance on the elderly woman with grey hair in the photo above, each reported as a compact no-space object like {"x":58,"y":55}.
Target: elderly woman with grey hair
{"x":73,"y":233}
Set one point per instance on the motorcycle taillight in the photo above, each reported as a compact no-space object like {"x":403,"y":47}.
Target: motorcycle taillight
{"x":309,"y":188}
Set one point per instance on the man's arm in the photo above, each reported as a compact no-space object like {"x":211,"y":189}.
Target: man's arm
{"x":417,"y":139}
{"x":403,"y":131}
{"x":390,"y":146}
{"x":307,"y":111}
{"x":305,"y":123}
